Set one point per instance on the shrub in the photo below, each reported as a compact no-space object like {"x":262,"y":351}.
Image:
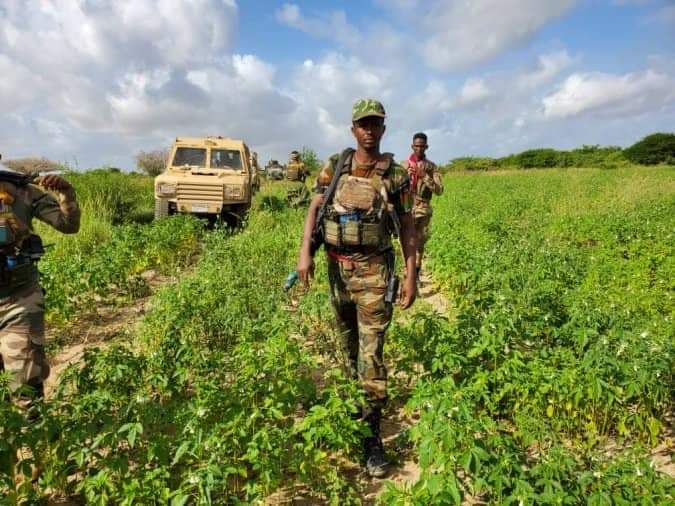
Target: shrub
{"x":653,"y":149}
{"x":152,"y":162}
{"x":311,"y":160}
{"x":32,"y":165}
{"x":473,"y":163}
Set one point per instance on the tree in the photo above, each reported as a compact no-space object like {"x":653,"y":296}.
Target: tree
{"x":32,"y":165}
{"x":152,"y":162}
{"x":653,"y":149}
{"x":311,"y":160}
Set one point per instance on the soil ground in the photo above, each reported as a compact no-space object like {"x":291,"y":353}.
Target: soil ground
{"x":107,"y":323}
{"x":115,"y":323}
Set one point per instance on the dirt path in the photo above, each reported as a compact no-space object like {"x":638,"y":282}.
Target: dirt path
{"x":406,"y":471}
{"x":108,"y":323}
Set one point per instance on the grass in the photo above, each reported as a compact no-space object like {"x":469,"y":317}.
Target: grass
{"x":550,"y":384}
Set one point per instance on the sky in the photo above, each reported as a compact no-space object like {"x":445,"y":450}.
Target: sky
{"x":91,"y":82}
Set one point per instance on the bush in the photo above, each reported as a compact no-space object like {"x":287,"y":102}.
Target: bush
{"x":653,"y":149}
{"x":152,"y":162}
{"x":311,"y":160}
{"x":473,"y":163}
{"x":540,"y":158}
{"x":32,"y":165}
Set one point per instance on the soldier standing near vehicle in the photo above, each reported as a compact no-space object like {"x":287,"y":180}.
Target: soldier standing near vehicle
{"x":362,"y":197}
{"x":50,"y":199}
{"x":296,"y":173}
{"x":425,"y":181}
{"x":295,"y":168}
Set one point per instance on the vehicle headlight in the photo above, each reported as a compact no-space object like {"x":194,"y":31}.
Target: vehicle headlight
{"x":233,"y":191}
{"x":166,"y":189}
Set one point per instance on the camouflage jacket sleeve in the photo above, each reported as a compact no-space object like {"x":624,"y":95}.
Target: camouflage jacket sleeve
{"x":61,"y":210}
{"x":399,"y":188}
{"x":433,"y":178}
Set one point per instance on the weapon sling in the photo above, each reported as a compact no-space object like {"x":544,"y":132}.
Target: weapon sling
{"x":317,"y":236}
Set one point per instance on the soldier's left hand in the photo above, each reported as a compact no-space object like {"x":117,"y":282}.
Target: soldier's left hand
{"x":54,"y":183}
{"x":409,"y":292}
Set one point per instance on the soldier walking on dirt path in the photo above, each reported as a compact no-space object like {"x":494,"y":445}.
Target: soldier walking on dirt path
{"x":425,"y":182}
{"x":367,"y":198}
{"x":50,"y":199}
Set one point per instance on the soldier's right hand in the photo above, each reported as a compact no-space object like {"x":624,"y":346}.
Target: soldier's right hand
{"x":305,"y":269}
{"x":54,"y":183}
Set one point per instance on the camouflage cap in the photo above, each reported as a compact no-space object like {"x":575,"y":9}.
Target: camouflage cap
{"x":365,"y":107}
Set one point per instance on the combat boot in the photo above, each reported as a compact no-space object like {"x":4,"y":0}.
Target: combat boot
{"x":373,"y":449}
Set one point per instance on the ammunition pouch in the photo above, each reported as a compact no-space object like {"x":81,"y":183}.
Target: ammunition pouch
{"x":353,"y":229}
{"x":7,"y":235}
{"x":15,"y":272}
{"x":292,"y":174}
{"x":425,"y":193}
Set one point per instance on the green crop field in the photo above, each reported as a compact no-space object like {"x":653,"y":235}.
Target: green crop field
{"x":549,"y":380}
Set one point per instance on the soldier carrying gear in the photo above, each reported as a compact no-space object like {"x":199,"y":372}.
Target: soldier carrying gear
{"x":50,"y":199}
{"x":297,"y":194}
{"x":426,"y":181}
{"x":362,"y":197}
{"x":295,"y":168}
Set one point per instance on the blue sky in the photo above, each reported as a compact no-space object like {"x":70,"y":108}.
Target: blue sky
{"x":92,"y":83}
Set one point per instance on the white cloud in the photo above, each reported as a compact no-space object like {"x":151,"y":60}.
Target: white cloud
{"x":548,"y":66}
{"x":474,"y":91}
{"x":610,"y":95}
{"x":466,"y":33}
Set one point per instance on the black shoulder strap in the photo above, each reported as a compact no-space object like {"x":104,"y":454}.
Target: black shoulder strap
{"x":16,"y":178}
{"x":338,"y":170}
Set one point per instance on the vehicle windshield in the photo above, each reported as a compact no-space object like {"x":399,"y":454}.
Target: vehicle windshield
{"x":225,"y":159}
{"x":194,"y":157}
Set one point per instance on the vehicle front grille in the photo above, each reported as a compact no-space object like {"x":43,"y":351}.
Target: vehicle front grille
{"x":199,"y":192}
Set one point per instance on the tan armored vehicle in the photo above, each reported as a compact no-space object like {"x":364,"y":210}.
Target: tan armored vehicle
{"x":206,"y":176}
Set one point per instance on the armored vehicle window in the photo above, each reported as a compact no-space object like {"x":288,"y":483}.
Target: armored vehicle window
{"x":195,"y":157}
{"x":225,"y":159}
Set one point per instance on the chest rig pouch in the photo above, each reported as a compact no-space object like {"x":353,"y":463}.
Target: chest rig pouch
{"x":16,"y":243}
{"x":357,"y":217}
{"x":293,"y":171}
{"x":423,"y":192}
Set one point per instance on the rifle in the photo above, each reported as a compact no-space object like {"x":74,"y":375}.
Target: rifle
{"x":317,"y":233}
{"x":17,"y":178}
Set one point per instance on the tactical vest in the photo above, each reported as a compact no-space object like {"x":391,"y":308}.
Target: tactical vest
{"x":423,"y":192}
{"x":294,"y":171}
{"x":358,"y":216}
{"x":16,"y":246}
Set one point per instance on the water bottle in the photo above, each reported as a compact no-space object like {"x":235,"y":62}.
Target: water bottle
{"x":291,"y":279}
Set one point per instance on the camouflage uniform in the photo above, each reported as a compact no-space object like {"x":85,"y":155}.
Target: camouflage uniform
{"x":22,"y":306}
{"x":297,"y":194}
{"x":358,"y":281}
{"x":428,"y":184}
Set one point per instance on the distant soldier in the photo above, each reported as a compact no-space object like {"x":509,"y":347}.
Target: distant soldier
{"x":295,"y":168}
{"x":362,"y":198}
{"x":255,"y":168}
{"x":50,"y":199}
{"x":296,"y":173}
{"x":425,"y":181}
